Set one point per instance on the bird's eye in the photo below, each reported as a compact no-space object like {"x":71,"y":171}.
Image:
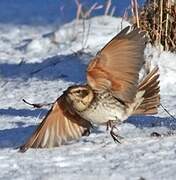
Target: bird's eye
{"x":84,"y":93}
{"x":81,"y":93}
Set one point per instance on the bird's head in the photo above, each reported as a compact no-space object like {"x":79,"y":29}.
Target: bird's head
{"x":79,"y":97}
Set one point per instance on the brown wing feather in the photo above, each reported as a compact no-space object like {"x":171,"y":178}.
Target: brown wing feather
{"x":116,"y":67}
{"x":58,"y":127}
{"x":151,"y":96}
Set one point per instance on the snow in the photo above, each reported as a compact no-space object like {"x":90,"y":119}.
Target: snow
{"x":37,"y":63}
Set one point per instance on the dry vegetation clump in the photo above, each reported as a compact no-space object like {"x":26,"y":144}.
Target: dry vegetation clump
{"x":158,"y":18}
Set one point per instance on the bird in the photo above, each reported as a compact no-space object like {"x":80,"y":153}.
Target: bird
{"x":113,"y":92}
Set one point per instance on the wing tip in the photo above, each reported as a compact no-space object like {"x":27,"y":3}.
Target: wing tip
{"x":22,"y":149}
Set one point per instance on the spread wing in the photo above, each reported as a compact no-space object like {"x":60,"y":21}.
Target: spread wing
{"x":116,"y":67}
{"x":58,"y":127}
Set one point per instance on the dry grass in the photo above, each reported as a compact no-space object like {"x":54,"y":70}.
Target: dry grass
{"x":84,"y":13}
{"x":158,"y":18}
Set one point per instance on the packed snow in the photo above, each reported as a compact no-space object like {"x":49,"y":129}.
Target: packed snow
{"x":37,"y":63}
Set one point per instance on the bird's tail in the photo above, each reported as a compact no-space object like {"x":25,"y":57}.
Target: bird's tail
{"x":151,"y":97}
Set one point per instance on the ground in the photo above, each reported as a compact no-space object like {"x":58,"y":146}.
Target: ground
{"x":37,"y":63}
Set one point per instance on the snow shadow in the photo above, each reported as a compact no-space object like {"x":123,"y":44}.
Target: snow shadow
{"x":14,"y":137}
{"x":22,"y":112}
{"x":67,"y":67}
{"x":152,"y":121}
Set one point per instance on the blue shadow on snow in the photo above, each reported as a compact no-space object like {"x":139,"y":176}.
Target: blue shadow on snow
{"x":14,"y":137}
{"x":69,"y":67}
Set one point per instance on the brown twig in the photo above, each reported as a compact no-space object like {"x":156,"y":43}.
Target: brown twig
{"x":92,"y":8}
{"x":167,"y":25}
{"x":161,"y":22}
{"x":113,"y":11}
{"x":167,"y":112}
{"x":37,"y":105}
{"x":136,"y":12}
{"x":132,"y":11}
{"x":79,"y":9}
{"x":107,"y":7}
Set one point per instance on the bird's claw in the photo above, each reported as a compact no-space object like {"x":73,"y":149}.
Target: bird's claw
{"x":116,"y":137}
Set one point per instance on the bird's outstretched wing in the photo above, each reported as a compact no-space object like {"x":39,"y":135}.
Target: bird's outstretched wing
{"x":151,"y":102}
{"x":116,"y":67}
{"x":59,"y":126}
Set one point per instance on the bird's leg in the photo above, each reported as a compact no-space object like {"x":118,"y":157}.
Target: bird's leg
{"x":108,"y":125}
{"x":86,"y":132}
{"x":114,"y":135}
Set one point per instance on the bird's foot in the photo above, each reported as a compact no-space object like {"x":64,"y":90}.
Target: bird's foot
{"x":86,"y":132}
{"x":117,"y":138}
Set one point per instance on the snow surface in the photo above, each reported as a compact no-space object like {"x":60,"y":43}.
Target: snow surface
{"x":37,"y":63}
